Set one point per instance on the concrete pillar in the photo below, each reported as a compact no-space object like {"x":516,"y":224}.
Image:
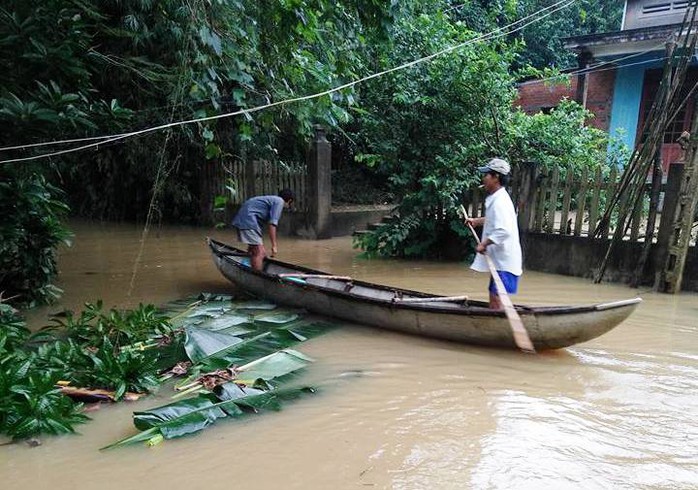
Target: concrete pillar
{"x":320,"y":186}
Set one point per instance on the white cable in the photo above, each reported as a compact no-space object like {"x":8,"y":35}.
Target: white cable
{"x":61,"y":142}
{"x":496,"y":33}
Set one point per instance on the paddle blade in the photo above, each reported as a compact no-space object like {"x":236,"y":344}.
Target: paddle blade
{"x":521,"y":338}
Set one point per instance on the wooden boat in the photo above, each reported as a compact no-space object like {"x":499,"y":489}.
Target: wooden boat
{"x":450,"y":318}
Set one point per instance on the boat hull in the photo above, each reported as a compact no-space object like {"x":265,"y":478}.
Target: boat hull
{"x":380,"y":306}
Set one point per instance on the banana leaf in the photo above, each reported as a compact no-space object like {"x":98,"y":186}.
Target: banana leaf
{"x":276,"y":318}
{"x":272,"y":366}
{"x":254,"y":305}
{"x":226,"y":334}
{"x":233,"y":391}
{"x":209,"y":297}
{"x":215,"y":306}
{"x":191,"y":415}
{"x":263,"y":344}
{"x":186,"y":417}
{"x":200,"y":343}
{"x":227,"y":320}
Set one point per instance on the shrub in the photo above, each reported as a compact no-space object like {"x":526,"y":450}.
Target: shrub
{"x":30,"y":232}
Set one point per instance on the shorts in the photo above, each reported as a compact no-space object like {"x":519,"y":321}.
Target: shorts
{"x":511,"y":282}
{"x":250,"y":237}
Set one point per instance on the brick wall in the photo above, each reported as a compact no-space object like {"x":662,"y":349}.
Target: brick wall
{"x":600,"y":97}
{"x":536,"y":96}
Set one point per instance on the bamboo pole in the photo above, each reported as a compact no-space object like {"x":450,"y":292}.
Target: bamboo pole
{"x":631,"y":187}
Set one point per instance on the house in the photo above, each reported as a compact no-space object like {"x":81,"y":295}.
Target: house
{"x":624,"y":71}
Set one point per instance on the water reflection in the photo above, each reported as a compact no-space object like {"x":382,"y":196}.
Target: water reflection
{"x":628,"y":429}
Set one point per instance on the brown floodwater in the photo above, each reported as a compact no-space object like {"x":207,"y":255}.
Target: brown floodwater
{"x":394,"y":411}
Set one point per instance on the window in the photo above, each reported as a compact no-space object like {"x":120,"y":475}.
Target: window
{"x":666,"y":7}
{"x":656,"y":8}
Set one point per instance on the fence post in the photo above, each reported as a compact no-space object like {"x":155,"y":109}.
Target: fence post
{"x":526,"y":194}
{"x":250,"y":175}
{"x":320,"y":185}
{"x":666,"y":222}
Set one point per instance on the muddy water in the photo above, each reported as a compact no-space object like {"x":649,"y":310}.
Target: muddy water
{"x":394,"y":411}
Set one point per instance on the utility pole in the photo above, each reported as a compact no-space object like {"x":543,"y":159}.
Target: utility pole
{"x":669,"y":279}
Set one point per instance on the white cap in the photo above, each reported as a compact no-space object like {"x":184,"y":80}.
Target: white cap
{"x":496,"y":165}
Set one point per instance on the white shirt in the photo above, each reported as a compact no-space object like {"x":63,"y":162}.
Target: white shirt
{"x":503,"y":231}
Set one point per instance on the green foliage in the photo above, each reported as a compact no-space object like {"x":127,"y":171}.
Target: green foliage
{"x":101,"y":349}
{"x":94,"y":327}
{"x":426,"y":127}
{"x":30,"y":403}
{"x":110,"y":67}
{"x":559,"y":139}
{"x":542,"y":40}
{"x":85,"y":352}
{"x":13,"y":333}
{"x":127,"y":351}
{"x":30,"y":232}
{"x":240,"y":364}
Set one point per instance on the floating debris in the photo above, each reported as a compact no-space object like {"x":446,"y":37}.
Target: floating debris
{"x":237,"y":363}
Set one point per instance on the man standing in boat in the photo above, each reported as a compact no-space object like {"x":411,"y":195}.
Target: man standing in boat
{"x":251,"y":217}
{"x":500,"y":233}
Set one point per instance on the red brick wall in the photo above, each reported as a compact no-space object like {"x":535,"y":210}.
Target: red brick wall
{"x":534,"y":96}
{"x":600,"y":97}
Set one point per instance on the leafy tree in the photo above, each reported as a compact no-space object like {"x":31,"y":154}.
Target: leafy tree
{"x":88,"y":68}
{"x":104,"y":67}
{"x":559,"y":139}
{"x":30,"y":231}
{"x":542,"y":39}
{"x":426,"y":127}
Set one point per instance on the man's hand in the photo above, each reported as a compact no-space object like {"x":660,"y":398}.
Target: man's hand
{"x":481,"y":248}
{"x":474,"y":221}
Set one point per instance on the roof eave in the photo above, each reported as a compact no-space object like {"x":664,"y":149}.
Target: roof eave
{"x":623,"y":42}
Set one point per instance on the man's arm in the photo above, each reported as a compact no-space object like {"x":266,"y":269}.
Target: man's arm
{"x":272,"y":237}
{"x":475,"y":221}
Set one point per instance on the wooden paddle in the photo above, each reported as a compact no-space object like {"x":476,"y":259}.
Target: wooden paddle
{"x":521,"y":338}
